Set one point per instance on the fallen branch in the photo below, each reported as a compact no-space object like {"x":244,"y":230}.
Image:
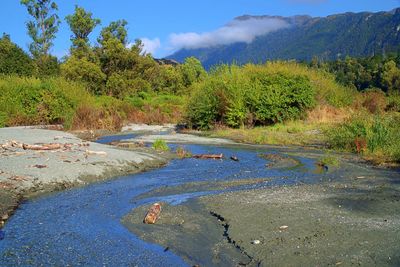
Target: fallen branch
{"x":209,"y":156}
{"x":98,"y":153}
{"x":42,"y":147}
{"x":153,"y":214}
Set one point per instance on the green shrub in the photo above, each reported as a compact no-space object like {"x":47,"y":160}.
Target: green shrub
{"x":394,"y":102}
{"x":83,"y":70}
{"x":160,"y":145}
{"x":231,"y":95}
{"x":13,"y":60}
{"x":372,"y":135}
{"x":33,"y":101}
{"x":328,"y":91}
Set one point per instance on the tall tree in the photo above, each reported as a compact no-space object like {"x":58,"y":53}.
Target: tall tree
{"x":81,"y":24}
{"x":116,"y":30}
{"x":44,"y":26}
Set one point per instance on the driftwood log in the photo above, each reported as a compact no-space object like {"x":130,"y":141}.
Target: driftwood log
{"x":42,"y":147}
{"x":153,"y":214}
{"x":97,"y":153}
{"x":209,"y":156}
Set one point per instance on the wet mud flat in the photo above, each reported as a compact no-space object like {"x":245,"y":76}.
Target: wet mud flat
{"x":354,"y":222}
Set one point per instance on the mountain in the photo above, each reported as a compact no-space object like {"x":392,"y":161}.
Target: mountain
{"x":332,"y":37}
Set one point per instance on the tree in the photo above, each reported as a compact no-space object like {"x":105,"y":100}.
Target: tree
{"x":81,"y":24}
{"x":43,"y":27}
{"x":116,"y":30}
{"x":13,"y":60}
{"x":391,"y":76}
{"x":80,"y":69}
{"x":192,"y":71}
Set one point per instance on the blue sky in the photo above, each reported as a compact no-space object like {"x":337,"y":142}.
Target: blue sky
{"x":165,"y":24}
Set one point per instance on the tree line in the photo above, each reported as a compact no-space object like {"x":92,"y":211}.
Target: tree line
{"x":111,"y":67}
{"x":376,"y":72}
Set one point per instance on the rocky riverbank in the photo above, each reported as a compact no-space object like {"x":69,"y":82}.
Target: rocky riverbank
{"x":38,"y":161}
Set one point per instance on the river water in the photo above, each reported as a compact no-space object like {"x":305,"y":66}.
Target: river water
{"x":82,"y":226}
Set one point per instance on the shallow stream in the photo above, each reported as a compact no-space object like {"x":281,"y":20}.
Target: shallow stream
{"x":82,"y":226}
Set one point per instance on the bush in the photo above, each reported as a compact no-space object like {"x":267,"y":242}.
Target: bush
{"x":393,"y":102}
{"x":232,"y":95}
{"x":33,"y":101}
{"x":85,"y":71}
{"x":327,"y":90}
{"x":374,"y":100}
{"x":370,"y":135}
{"x":13,"y":60}
{"x":160,"y":145}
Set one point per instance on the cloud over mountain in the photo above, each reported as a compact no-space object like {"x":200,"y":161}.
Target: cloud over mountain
{"x":150,"y":45}
{"x":238,"y":30}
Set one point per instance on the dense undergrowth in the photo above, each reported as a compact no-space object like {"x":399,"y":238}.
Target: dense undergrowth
{"x":376,"y":137}
{"x":262,"y":95}
{"x":32,"y":101}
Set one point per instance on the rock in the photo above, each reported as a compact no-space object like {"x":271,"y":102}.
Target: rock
{"x":256,"y":242}
{"x":234,"y":158}
{"x":283,"y":227}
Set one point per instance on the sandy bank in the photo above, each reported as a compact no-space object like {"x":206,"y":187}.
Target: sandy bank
{"x":26,"y":172}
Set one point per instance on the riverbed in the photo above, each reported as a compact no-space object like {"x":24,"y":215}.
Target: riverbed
{"x":214,"y":211}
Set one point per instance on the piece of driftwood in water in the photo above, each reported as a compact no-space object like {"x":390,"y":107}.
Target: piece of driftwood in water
{"x":153,"y":214}
{"x":209,"y":156}
{"x":42,"y":147}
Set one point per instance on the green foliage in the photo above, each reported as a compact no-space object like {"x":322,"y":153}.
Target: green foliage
{"x":47,"y":65}
{"x":379,"y":136}
{"x":329,"y":160}
{"x":83,"y":70}
{"x":328,"y":91}
{"x":44,"y":26}
{"x":81,"y":24}
{"x":32,"y":101}
{"x":394,"y":102}
{"x":192,"y":71}
{"x":391,"y":76}
{"x":13,"y":60}
{"x":249,"y":95}
{"x":115,"y":30}
{"x":160,"y":145}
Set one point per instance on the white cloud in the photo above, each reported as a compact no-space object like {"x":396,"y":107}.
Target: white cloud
{"x":238,"y":30}
{"x":150,"y":45}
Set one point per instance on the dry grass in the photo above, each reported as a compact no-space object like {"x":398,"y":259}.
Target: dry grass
{"x":92,"y":118}
{"x":153,"y":115}
{"x":325,"y":114}
{"x":290,"y":133}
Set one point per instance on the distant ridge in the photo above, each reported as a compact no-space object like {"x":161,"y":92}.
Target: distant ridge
{"x":331,"y":37}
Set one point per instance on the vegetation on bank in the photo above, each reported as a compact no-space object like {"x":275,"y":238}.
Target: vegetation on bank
{"x":350,"y":104}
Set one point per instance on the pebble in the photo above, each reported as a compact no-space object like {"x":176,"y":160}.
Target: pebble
{"x":283,"y":227}
{"x":256,"y":242}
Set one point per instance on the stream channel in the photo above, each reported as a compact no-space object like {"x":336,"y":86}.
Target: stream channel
{"x":82,"y":226}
